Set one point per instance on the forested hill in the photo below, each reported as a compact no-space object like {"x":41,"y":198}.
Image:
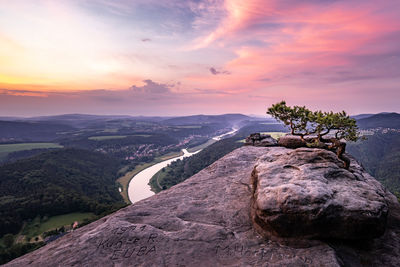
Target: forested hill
{"x":57,"y":182}
{"x":383,"y":120}
{"x":380,"y":156}
{"x":31,"y":131}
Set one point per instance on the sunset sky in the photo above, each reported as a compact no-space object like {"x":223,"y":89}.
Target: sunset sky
{"x":181,"y":57}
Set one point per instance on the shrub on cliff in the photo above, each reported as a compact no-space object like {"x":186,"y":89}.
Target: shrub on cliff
{"x":318,"y":129}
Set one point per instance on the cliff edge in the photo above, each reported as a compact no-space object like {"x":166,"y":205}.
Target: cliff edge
{"x":257,"y":206}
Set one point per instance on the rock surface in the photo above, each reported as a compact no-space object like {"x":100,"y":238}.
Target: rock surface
{"x":260,"y":140}
{"x":206,"y":221}
{"x":291,"y":141}
{"x":306,"y":193}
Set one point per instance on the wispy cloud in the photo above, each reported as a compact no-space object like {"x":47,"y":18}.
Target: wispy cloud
{"x":214,"y":71}
{"x":23,"y":93}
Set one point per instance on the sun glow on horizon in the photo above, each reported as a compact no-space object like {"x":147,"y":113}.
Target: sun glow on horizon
{"x":219,"y":52}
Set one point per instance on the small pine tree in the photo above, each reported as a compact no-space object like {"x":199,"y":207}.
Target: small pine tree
{"x":318,"y":129}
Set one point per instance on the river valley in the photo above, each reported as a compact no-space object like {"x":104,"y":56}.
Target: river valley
{"x":138,"y":187}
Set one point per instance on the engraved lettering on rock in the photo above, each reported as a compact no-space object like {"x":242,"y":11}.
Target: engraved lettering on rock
{"x":141,"y":251}
{"x":236,"y":250}
{"x":129,"y":242}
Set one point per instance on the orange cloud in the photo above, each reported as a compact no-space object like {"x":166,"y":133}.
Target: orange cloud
{"x":22,"y":93}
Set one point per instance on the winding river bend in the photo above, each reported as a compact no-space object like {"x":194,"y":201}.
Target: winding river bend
{"x":138,"y":187}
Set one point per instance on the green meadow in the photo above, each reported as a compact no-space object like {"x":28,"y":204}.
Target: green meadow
{"x":110,"y":137}
{"x":40,"y":225}
{"x":106,"y":137}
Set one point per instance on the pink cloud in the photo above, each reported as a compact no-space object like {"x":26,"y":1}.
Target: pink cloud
{"x":303,"y":51}
{"x":298,"y":37}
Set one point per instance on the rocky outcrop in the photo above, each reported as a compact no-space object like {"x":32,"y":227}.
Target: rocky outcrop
{"x":291,"y":141}
{"x":261,"y":140}
{"x":207,"y":220}
{"x":306,"y":193}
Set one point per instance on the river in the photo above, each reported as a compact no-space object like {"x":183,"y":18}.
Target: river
{"x":138,"y":187}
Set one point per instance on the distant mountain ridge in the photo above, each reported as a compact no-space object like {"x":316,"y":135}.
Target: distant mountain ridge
{"x":365,"y":119}
{"x":31,"y":131}
{"x":87,"y":117}
{"x":367,"y":115}
{"x":170,"y":120}
{"x":199,"y":119}
{"x":362,"y":116}
{"x":384,"y":120}
{"x":47,"y":128}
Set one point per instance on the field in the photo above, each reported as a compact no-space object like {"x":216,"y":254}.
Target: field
{"x":109,"y":137}
{"x":126,"y":178}
{"x":106,"y":137}
{"x":8,"y":148}
{"x":41,"y":225}
{"x":110,"y":130}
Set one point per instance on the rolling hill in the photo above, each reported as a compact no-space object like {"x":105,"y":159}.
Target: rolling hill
{"x":384,"y":120}
{"x":205,"y":119}
{"x":56,"y":182}
{"x":31,"y":131}
{"x":380,"y":156}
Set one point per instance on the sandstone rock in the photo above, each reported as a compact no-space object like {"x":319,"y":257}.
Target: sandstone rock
{"x":305,"y":193}
{"x":291,"y":141}
{"x":261,"y":140}
{"x":206,"y":221}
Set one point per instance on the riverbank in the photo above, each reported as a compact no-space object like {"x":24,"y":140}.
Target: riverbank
{"x":213,"y":140}
{"x":138,"y":187}
{"x":126,"y":178}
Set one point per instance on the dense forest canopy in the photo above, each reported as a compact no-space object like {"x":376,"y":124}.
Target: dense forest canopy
{"x":57,"y":182}
{"x":380,"y":156}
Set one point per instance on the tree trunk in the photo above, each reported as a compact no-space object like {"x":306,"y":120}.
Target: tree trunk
{"x":339,"y":148}
{"x":340,"y":154}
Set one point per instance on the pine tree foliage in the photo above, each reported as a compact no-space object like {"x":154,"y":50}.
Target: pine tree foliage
{"x":317,"y":128}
